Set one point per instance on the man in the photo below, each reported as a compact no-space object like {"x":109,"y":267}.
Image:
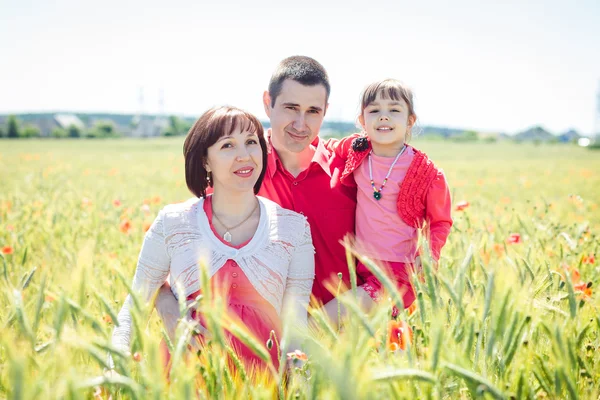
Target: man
{"x":303,"y":174}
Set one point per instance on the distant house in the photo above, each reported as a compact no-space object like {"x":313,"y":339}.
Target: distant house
{"x":536,"y":133}
{"x":570,"y":136}
{"x":148,"y":126}
{"x":47,"y":123}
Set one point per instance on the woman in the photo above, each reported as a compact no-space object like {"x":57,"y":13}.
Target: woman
{"x":260,"y":256}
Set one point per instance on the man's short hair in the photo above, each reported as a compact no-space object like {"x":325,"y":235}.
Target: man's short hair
{"x":304,"y":70}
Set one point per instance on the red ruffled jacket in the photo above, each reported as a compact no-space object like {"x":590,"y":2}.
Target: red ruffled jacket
{"x":415,"y":204}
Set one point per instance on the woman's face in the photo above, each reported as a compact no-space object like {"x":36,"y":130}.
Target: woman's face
{"x":235,"y":162}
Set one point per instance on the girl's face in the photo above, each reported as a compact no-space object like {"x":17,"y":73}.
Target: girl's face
{"x":235,"y":162}
{"x":387,"y":122}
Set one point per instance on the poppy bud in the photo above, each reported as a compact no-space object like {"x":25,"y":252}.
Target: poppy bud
{"x":269,"y":344}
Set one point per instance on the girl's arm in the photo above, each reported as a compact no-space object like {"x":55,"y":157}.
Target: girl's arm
{"x":438,"y":209}
{"x":151,"y":272}
{"x":298,"y":288}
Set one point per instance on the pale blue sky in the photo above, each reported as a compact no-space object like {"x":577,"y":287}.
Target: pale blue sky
{"x":472,"y":64}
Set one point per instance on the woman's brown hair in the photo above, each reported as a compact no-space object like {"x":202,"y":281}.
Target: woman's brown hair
{"x":210,"y":127}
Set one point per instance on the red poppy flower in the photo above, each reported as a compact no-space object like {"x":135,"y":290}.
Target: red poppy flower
{"x":486,"y":256}
{"x":137,"y":357}
{"x":585,"y":288}
{"x":297,"y":355}
{"x":10,"y":228}
{"x":7,"y":250}
{"x":125,"y":226}
{"x":412,"y":308}
{"x":116,"y":202}
{"x":393,"y":347}
{"x":461,"y":205}
{"x":399,"y":334}
{"x":589,"y":259}
{"x":575,"y":275}
{"x":514,"y":238}
{"x":499,"y":249}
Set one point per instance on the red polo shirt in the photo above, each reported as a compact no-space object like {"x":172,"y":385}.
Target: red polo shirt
{"x":329,"y":206}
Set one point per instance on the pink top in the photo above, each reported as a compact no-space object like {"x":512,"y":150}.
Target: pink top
{"x":380,"y":232}
{"x":423,"y":201}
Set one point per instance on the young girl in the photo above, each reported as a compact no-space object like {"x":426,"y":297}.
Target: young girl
{"x":399,"y":192}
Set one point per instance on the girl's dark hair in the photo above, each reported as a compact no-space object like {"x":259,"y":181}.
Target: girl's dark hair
{"x":388,"y":89}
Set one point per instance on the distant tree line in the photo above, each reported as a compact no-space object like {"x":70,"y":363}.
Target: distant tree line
{"x":177,"y":127}
{"x":107,"y":126}
{"x":14,"y":129}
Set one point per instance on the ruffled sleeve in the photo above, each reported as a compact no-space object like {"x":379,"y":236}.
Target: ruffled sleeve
{"x":438,"y":210}
{"x":299,"y":284}
{"x":151,"y":272}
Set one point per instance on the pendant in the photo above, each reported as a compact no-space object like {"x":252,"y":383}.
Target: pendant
{"x":227,"y":236}
{"x":377,"y":195}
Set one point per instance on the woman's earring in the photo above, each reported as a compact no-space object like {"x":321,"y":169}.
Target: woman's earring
{"x":209,"y":178}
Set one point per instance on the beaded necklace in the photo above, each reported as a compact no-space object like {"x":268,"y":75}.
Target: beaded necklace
{"x":377,"y":192}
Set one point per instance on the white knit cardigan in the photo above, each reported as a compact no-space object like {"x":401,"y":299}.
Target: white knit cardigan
{"x":278,"y":260}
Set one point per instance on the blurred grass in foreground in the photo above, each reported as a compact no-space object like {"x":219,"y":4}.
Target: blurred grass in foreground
{"x":511,"y":312}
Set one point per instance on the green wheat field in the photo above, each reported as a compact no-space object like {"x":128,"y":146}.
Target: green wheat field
{"x":511,"y":312}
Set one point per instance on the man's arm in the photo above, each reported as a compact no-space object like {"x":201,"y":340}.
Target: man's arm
{"x":168,"y":309}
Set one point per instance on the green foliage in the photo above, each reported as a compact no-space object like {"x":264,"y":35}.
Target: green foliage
{"x":595,"y":144}
{"x":466,"y":136}
{"x":58,"y":133}
{"x":177,"y":126}
{"x":13,"y":130}
{"x":30,"y":131}
{"x":74,"y":131}
{"x":102,"y":129}
{"x":2,"y":131}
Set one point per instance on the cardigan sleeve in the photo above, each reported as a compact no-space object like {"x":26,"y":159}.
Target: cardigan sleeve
{"x":438,"y":210}
{"x":151,"y":272}
{"x":298,"y":285}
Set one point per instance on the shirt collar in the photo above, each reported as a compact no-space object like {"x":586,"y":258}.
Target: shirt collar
{"x":321,"y":157}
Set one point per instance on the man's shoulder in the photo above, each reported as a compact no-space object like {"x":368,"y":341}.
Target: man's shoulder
{"x":274,"y":209}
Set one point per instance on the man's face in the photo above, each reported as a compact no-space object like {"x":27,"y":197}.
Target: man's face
{"x":296,"y":116}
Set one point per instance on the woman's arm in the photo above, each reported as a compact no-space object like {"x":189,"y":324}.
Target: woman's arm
{"x":301,"y":275}
{"x":151,"y":272}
